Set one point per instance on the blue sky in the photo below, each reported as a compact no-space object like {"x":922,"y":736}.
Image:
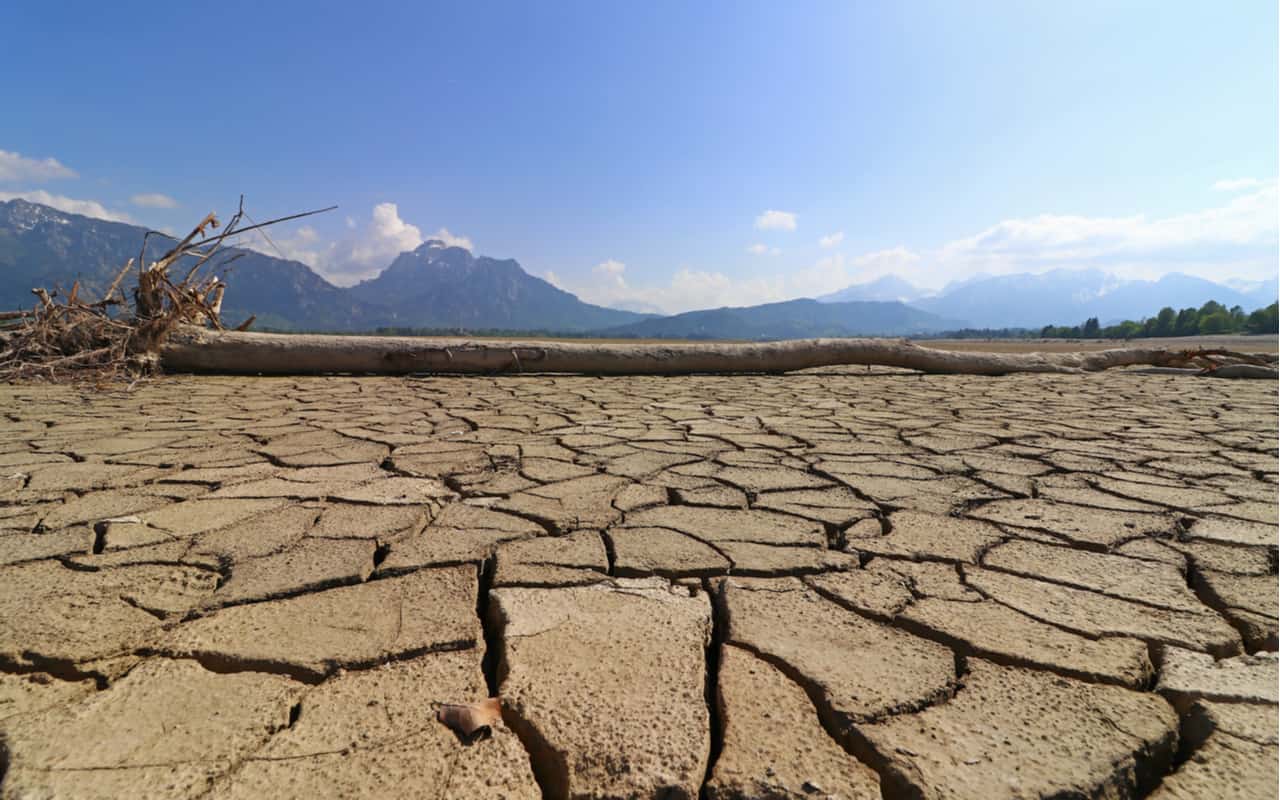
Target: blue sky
{"x":632,"y":152}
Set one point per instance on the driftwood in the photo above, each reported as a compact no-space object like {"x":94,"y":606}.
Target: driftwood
{"x":74,"y":339}
{"x":192,"y":349}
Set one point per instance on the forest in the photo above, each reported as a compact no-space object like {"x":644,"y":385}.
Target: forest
{"x":1210,"y":318}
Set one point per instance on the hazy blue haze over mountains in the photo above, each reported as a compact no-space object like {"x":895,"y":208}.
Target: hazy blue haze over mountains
{"x":792,"y":319}
{"x":1064,"y":297}
{"x":442,"y":287}
{"x":890,"y":288}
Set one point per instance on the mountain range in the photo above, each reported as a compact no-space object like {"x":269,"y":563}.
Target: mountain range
{"x":439,"y":287}
{"x":792,"y":319}
{"x":433,"y":286}
{"x":1061,"y":297}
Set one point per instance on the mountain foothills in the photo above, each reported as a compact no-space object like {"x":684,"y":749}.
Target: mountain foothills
{"x":793,"y":319}
{"x":436,"y":287}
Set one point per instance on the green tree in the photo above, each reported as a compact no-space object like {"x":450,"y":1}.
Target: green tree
{"x":1188,"y":323}
{"x":1264,"y":320}
{"x":1091,"y":328}
{"x":1218,"y":321}
{"x":1165,"y":322}
{"x":1211,"y":307}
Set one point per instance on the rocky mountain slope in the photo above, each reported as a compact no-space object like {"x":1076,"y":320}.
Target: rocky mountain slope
{"x":437,"y":286}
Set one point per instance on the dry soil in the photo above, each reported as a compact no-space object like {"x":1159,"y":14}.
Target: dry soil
{"x":849,"y":583}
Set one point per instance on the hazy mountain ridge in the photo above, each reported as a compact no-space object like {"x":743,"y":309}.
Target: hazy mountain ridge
{"x":792,"y":319}
{"x":889,"y":288}
{"x":436,"y":286}
{"x":1066,"y":296}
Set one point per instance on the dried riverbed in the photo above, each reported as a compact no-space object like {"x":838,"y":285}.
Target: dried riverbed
{"x":840,"y":584}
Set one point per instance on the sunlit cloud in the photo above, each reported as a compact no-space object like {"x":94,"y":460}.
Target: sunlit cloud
{"x":153,"y":200}
{"x":16,"y":167}
{"x":1237,"y":185}
{"x":776,"y":221}
{"x":1237,"y":239}
{"x":71,"y":205}
{"x":365,"y":251}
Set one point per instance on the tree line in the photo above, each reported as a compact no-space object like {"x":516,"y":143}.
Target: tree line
{"x":1210,"y":318}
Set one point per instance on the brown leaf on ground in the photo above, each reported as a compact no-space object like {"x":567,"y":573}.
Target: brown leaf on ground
{"x":467,"y":718}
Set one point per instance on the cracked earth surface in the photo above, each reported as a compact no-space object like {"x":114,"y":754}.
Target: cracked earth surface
{"x":847,"y":584}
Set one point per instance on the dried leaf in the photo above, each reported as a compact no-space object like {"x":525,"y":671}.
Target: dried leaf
{"x":466,"y":719}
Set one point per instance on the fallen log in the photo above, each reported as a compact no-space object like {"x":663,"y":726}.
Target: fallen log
{"x":194,"y":349}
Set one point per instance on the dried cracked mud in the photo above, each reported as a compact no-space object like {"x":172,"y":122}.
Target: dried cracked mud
{"x":843,"y":584}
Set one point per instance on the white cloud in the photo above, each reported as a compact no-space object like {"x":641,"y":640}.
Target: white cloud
{"x":612,"y":280}
{"x":304,"y":245}
{"x":1238,"y":239}
{"x":364,"y":252}
{"x":832,"y":240}
{"x":17,"y":167}
{"x":71,"y":205}
{"x":776,"y":221}
{"x":763,"y":250}
{"x":688,"y":289}
{"x":1237,"y":185}
{"x":552,"y":278}
{"x":896,"y":260}
{"x":153,"y":200}
{"x":386,"y":237}
{"x":1244,"y":228}
{"x":451,"y":240}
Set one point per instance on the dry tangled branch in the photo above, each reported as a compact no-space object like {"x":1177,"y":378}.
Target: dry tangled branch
{"x":112,"y":338}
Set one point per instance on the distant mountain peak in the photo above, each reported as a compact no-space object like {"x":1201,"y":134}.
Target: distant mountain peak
{"x":438,"y":244}
{"x":885,"y":289}
{"x":445,"y":286}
